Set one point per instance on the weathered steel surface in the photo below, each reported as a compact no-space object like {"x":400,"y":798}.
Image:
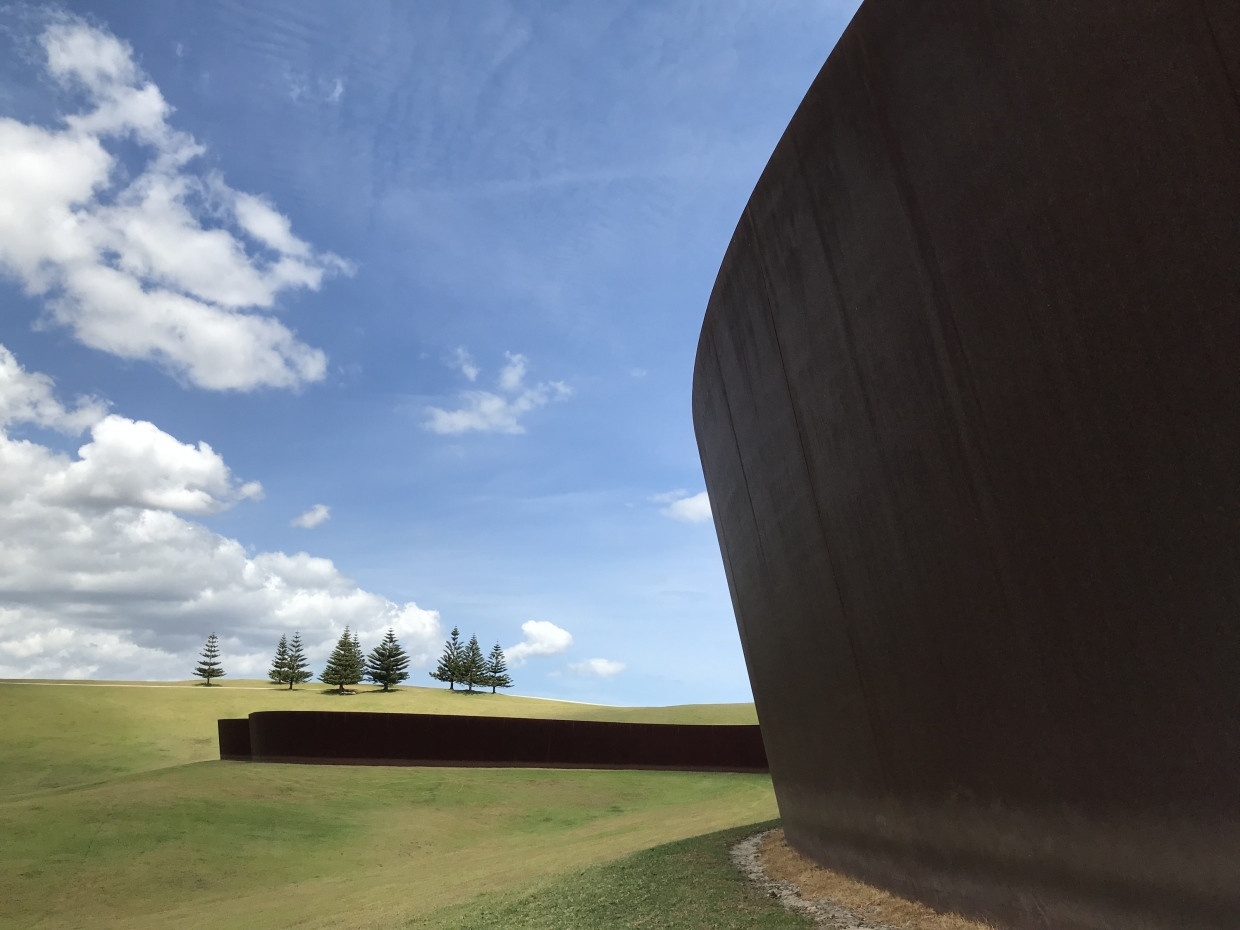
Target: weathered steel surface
{"x":439,"y":739}
{"x":234,"y":740}
{"x":968,"y":404}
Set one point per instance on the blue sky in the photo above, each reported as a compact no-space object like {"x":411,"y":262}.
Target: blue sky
{"x":374,"y":314}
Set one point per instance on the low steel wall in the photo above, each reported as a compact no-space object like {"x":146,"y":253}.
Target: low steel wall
{"x":234,"y":740}
{"x":967,"y":398}
{"x":344,"y":737}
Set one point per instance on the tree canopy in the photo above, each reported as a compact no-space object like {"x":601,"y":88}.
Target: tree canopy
{"x":289,"y":667}
{"x":279,"y":664}
{"x":473,"y":666}
{"x":448,"y":668}
{"x":298,"y":666}
{"x":466,"y":665}
{"x":345,"y":666}
{"x":387,"y":662}
{"x":496,"y":671}
{"x":209,"y":664}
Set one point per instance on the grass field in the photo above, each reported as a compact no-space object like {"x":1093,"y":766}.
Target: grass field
{"x":686,"y":885}
{"x":118,"y":814}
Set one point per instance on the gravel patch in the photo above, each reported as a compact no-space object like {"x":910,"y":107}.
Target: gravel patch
{"x":825,"y":914}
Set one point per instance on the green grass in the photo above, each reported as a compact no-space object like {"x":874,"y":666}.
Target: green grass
{"x":687,"y":885}
{"x":119,"y":814}
{"x":58,"y":735}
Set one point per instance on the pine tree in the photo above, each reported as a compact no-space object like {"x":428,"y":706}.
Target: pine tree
{"x":209,"y":667}
{"x":473,"y":665}
{"x":496,"y":672}
{"x":343,"y":667}
{"x":449,"y":663}
{"x":298,"y":667}
{"x":359,"y":658}
{"x":387,"y":662}
{"x":279,"y":665}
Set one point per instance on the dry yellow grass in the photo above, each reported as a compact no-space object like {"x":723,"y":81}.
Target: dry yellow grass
{"x":783,"y":863}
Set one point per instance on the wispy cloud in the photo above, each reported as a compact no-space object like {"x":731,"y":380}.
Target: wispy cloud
{"x":683,"y":506}
{"x":599,"y":668}
{"x":491,"y":412}
{"x":513,"y":373}
{"x":542,"y":638}
{"x":315,"y":516}
{"x":464,"y":362}
{"x":162,"y":263}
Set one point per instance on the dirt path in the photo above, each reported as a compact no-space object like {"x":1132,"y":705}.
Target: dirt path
{"x":832,"y":900}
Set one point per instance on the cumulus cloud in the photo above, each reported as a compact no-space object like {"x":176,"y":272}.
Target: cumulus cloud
{"x":132,"y":463}
{"x":685,"y":507}
{"x":601,"y":668}
{"x":104,"y":573}
{"x":316,"y":515}
{"x":542,"y":638}
{"x":28,"y":397}
{"x":155,"y":261}
{"x":489,"y":412}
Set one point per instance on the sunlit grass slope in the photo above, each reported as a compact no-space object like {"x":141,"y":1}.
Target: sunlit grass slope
{"x":56,"y":735}
{"x":687,"y":885}
{"x":119,"y":814}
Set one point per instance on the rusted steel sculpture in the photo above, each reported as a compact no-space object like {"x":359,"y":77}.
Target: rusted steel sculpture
{"x":360,"y":738}
{"x":968,"y":403}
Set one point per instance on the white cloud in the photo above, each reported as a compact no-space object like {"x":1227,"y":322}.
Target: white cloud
{"x":688,"y":508}
{"x":131,"y":463}
{"x":102,"y":573}
{"x":262,"y":221}
{"x":462,"y":360}
{"x":316,"y":515}
{"x":512,"y":375}
{"x":488,"y":412}
{"x":159,"y":262}
{"x":602,"y":668}
{"x":307,"y":89}
{"x":542,"y":638}
{"x":26,"y":397}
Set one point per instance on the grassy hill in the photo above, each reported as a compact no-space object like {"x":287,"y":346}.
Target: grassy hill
{"x":118,"y":813}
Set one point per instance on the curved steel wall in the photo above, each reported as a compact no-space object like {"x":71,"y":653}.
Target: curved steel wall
{"x":968,"y":403}
{"x":362,"y":738}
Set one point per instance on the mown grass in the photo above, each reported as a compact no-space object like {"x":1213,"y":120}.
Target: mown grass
{"x":687,"y":885}
{"x":58,"y":735}
{"x":119,"y":814}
